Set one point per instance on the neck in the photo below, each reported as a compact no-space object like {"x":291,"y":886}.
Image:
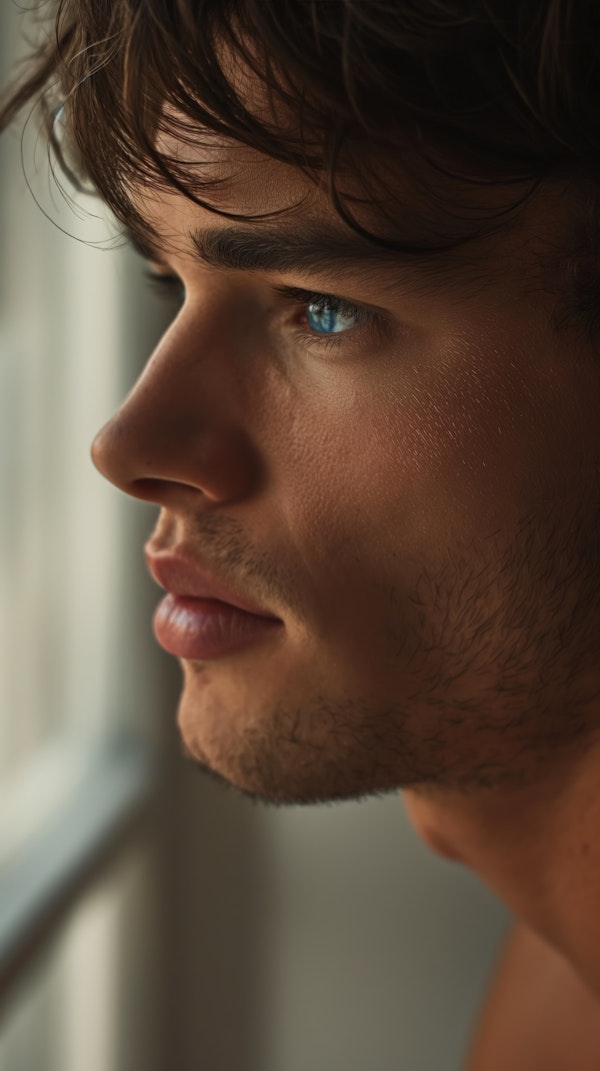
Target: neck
{"x":537,"y":847}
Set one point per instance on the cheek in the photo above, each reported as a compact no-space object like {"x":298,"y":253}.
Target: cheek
{"x":478,"y":435}
{"x":457,"y":440}
{"x":402,"y":457}
{"x":411,"y":459}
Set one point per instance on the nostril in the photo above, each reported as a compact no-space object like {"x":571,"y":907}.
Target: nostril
{"x":163,"y":450}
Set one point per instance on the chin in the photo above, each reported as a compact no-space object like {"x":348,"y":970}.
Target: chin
{"x":274,"y":769}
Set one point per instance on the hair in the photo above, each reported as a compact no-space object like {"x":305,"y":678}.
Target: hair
{"x":459,"y":96}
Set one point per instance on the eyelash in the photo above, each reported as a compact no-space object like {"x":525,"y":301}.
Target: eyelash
{"x":165,"y":285}
{"x":328,"y":302}
{"x":170,"y":285}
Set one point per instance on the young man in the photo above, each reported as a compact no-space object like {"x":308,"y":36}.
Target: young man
{"x":372,"y":428}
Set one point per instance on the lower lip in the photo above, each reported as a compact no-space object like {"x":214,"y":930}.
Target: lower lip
{"x":204,"y":629}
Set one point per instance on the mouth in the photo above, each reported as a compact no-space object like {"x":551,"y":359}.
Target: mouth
{"x":200,"y":618}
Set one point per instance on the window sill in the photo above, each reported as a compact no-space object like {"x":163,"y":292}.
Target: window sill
{"x":39,"y":881}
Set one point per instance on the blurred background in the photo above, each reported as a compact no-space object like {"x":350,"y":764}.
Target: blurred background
{"x":149,"y":919}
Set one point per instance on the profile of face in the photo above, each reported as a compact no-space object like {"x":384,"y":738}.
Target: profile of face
{"x":378,"y":492}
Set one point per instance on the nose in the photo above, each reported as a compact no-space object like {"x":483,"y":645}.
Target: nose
{"x":180,"y":437}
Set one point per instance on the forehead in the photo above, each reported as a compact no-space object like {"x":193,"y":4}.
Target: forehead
{"x":408,"y":202}
{"x":230,"y":182}
{"x":264,"y":215}
{"x":400,"y":192}
{"x":231,"y":178}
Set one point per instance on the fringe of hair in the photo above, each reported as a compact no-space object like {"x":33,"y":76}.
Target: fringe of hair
{"x":463,"y":94}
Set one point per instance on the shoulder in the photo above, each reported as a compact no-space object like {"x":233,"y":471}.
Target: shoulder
{"x":538,"y":1014}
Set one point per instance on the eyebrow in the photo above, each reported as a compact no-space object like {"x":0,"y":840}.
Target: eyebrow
{"x":309,"y":249}
{"x":306,"y":249}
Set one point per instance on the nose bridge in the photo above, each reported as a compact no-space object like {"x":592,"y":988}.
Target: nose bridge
{"x":179,"y":427}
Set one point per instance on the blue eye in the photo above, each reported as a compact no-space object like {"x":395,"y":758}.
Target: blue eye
{"x":331,"y":316}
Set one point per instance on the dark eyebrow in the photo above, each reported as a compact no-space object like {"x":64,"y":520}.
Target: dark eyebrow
{"x":306,"y":249}
{"x":310,"y":249}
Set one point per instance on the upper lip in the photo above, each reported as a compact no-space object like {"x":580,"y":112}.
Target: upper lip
{"x":177,"y":573}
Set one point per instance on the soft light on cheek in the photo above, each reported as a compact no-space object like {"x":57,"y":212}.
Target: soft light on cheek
{"x":463,"y":412}
{"x":446,"y":456}
{"x":436,"y":434}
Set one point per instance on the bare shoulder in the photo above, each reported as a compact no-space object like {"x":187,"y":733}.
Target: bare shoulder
{"x":538,"y":1014}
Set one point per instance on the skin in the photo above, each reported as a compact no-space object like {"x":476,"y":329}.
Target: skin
{"x":540,"y":1016}
{"x":419,"y":506}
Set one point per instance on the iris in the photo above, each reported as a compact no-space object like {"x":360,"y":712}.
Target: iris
{"x":332,"y":318}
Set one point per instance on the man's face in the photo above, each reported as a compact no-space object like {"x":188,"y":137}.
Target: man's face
{"x":410,"y":487}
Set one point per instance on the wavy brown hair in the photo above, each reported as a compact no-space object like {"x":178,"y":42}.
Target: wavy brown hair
{"x":457,"y":95}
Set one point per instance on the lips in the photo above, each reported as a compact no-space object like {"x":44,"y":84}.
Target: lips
{"x":201,"y":618}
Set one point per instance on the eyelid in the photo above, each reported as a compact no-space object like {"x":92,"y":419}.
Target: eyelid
{"x":370,"y":317}
{"x":320,"y":297}
{"x":153,"y":275}
{"x":166,"y":284}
